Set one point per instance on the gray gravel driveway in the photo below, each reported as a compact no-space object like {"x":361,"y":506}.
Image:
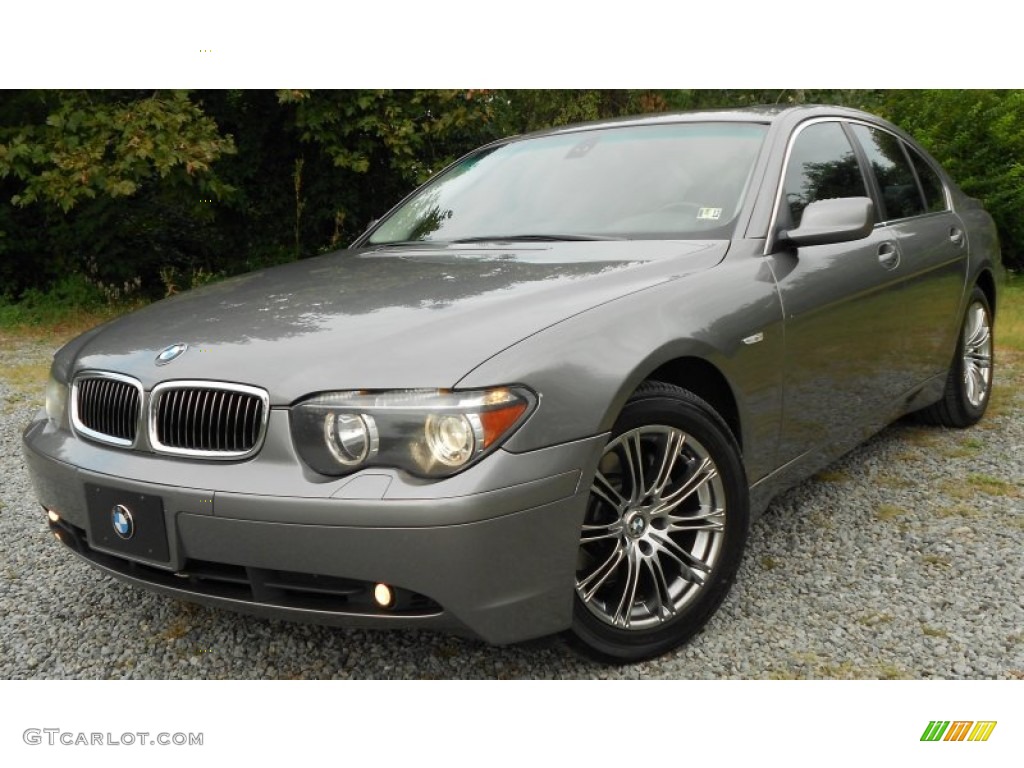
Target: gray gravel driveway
{"x":905,"y":559}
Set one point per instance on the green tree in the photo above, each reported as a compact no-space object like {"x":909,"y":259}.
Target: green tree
{"x":115,"y":179}
{"x":978,"y":136}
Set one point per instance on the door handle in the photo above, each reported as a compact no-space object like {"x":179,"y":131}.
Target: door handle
{"x":889,"y":255}
{"x":956,"y":236}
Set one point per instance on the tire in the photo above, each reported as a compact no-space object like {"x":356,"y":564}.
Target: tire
{"x":662,"y":536}
{"x":969,"y":383}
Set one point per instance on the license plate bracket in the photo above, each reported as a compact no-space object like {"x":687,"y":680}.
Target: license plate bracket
{"x":127,"y":523}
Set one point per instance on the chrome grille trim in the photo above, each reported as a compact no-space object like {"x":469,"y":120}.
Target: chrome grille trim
{"x":208,"y":419}
{"x":106,"y":407}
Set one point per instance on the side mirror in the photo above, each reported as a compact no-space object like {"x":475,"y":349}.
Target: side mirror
{"x":839,"y":220}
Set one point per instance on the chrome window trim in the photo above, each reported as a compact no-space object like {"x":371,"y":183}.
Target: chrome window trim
{"x":769,"y":243}
{"x":910,"y":162}
{"x":245,"y":389}
{"x":78,"y":428}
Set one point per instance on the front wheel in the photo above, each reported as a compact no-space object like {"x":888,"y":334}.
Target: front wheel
{"x":664,"y":529}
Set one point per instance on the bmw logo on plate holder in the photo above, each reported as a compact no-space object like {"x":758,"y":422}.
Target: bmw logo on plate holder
{"x":171,"y":353}
{"x":124,"y":524}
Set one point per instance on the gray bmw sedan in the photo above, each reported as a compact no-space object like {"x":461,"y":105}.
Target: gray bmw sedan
{"x":548,"y":391}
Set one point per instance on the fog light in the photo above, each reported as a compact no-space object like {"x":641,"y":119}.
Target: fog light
{"x":383,"y":595}
{"x":53,"y":516}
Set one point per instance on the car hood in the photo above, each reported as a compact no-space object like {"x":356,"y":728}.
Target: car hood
{"x":400,"y":317}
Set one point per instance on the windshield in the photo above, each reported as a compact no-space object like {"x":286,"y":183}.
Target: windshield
{"x":659,"y":181}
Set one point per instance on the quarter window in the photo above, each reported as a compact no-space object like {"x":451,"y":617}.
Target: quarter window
{"x":822,"y":165}
{"x":931,"y":184}
{"x":896,"y":181}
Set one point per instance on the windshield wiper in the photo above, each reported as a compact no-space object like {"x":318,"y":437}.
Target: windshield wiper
{"x":530,"y":238}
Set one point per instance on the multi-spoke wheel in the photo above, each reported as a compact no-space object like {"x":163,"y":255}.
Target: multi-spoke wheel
{"x":969,"y":383}
{"x":976,"y":354}
{"x":664,"y":528}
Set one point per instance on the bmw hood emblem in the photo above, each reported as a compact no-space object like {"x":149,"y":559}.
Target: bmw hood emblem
{"x":171,"y":353}
{"x":124,"y":525}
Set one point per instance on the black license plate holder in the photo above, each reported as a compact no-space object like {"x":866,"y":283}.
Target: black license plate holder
{"x":138,"y":516}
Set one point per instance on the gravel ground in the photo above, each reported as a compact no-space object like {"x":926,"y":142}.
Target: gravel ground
{"x":905,"y":559}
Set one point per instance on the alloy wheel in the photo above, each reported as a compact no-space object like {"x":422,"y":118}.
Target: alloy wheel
{"x":977,"y":354}
{"x":653,"y":529}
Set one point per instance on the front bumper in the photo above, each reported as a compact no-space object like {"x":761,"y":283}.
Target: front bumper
{"x":489,"y":553}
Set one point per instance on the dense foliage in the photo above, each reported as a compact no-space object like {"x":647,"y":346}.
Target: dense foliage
{"x":123,"y":193}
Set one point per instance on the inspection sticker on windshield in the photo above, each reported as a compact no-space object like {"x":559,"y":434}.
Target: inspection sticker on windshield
{"x":712,"y":214}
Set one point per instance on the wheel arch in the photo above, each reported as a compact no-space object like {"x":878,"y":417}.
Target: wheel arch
{"x":707,"y":382}
{"x":987,"y":282}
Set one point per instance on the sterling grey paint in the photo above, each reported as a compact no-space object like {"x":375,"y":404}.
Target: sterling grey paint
{"x":580,"y":323}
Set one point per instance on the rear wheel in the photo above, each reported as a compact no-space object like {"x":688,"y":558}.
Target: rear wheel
{"x":969,"y":383}
{"x":664,"y":530}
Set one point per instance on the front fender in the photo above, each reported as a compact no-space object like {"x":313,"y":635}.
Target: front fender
{"x":585,"y":367}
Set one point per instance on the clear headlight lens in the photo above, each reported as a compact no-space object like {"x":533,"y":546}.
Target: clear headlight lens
{"x":432,"y":433}
{"x":56,"y":401}
{"x":452,"y":440}
{"x":350,"y":438}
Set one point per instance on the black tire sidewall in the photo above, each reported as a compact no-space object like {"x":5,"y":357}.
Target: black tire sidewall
{"x":671,"y":406}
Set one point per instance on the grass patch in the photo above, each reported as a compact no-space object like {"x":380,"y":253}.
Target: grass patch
{"x":907,"y":456}
{"x":71,"y":324}
{"x":26,"y":378}
{"x":919,"y":437}
{"x":933,"y":559}
{"x":965,"y":449}
{"x":892,"y":672}
{"x":1001,"y":403}
{"x":65,"y":302}
{"x":769,"y":563}
{"x":993,"y":486}
{"x":808,"y":665}
{"x":958,"y":489}
{"x":1009,"y":330}
{"x":832,"y":476}
{"x":27,"y":382}
{"x":894,"y":481}
{"x":933,"y":631}
{"x":889,"y":512}
{"x":958,"y":510}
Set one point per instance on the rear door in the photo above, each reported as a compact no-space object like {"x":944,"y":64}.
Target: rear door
{"x":932,"y":246}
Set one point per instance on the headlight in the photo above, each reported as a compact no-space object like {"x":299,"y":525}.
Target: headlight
{"x":432,"y":433}
{"x":350,"y":438}
{"x":56,"y":401}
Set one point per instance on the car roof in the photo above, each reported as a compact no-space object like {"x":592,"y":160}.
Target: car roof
{"x":765,"y":114}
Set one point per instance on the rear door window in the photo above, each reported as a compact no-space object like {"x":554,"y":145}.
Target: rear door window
{"x":896,"y":181}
